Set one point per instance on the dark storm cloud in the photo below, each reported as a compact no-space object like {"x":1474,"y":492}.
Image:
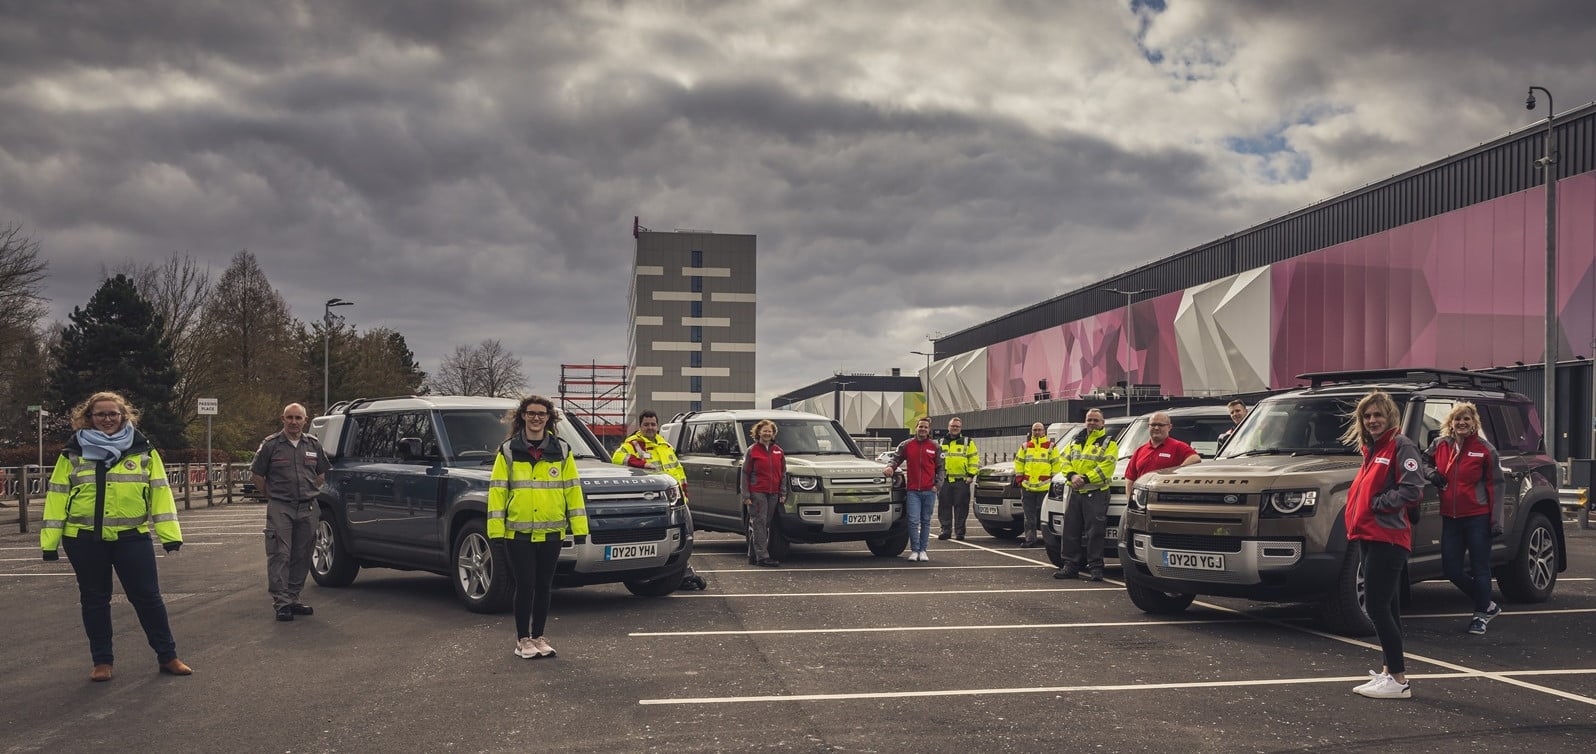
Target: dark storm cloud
{"x":470,"y":170}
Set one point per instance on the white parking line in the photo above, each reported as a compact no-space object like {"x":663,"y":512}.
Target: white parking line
{"x":891,"y":629}
{"x":1503,"y":614}
{"x":864,"y":569}
{"x":5,"y":575}
{"x":1070,"y":689}
{"x":680,"y":595}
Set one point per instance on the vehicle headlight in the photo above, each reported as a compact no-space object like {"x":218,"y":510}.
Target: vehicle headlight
{"x":1289,"y":502}
{"x":1057,"y":490}
{"x":804,"y":483}
{"x":673,"y":493}
{"x":1138,"y":499}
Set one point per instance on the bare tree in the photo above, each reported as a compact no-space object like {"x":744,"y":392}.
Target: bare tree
{"x":486,"y":368}
{"x":22,"y":275}
{"x":180,"y":291}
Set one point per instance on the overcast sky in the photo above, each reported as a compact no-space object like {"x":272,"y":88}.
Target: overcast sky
{"x":465,"y":170}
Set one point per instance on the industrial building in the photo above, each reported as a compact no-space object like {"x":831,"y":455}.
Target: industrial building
{"x":1441,"y":266}
{"x":867,"y":405}
{"x":690,"y":342}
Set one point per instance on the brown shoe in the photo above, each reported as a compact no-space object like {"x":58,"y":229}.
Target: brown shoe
{"x":101,"y":673}
{"x":175,"y":666}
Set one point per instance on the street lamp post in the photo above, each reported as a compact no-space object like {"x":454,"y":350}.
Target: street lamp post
{"x":1547,"y":163}
{"x":326,"y":336}
{"x":929,"y":355}
{"x":1130,"y":330}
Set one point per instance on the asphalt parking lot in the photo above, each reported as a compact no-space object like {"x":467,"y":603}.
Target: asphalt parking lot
{"x":835,"y":651}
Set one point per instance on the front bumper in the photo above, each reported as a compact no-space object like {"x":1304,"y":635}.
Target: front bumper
{"x":1262,"y":569}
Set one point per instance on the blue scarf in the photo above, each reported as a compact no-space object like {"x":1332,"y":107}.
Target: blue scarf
{"x":99,"y":446}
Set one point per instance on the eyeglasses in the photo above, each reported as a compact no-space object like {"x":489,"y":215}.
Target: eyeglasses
{"x":535,"y":414}
{"x":108,"y":415}
{"x":1158,"y":424}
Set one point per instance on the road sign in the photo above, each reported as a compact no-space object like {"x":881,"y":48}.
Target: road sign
{"x":207,"y":407}
{"x":34,"y":408}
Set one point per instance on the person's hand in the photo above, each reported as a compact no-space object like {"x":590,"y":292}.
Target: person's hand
{"x":652,"y":466}
{"x":52,"y":555}
{"x":747,"y":501}
{"x":169,"y":554}
{"x":171,"y":548}
{"x":580,"y":539}
{"x":1496,"y":531}
{"x":781,"y":499}
{"x":1437,"y":478}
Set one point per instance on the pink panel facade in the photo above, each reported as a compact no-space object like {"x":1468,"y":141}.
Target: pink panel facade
{"x":1463,"y":289}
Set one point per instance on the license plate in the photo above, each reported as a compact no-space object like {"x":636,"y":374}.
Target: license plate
{"x":1202,"y":561}
{"x":990,"y":510}
{"x":628,"y":552}
{"x":862,"y":518}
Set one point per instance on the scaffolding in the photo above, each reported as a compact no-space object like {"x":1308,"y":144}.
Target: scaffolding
{"x":596,"y":394}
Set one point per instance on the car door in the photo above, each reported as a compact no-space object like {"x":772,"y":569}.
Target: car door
{"x":1429,"y":416}
{"x":419,"y":478}
{"x":367,"y":487}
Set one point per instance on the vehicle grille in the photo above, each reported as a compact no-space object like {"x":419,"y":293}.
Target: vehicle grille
{"x":861,"y":507}
{"x":628,"y":535}
{"x":1203,"y":498}
{"x":1198,"y":542}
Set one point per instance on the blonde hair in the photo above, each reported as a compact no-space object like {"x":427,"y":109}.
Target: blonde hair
{"x":753,"y":433}
{"x":81,"y":418}
{"x":1462,"y":408}
{"x":1355,"y":436}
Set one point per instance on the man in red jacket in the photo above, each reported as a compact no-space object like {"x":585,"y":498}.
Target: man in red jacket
{"x":923,"y":472}
{"x":1160,"y":452}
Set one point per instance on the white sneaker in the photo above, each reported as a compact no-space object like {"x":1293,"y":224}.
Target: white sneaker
{"x":525,"y":648}
{"x":541,"y":645}
{"x":925,"y":557}
{"x":912,"y":555}
{"x":1374,"y":677}
{"x":1386,"y":688}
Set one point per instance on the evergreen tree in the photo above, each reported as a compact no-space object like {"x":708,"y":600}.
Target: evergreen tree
{"x":115,"y":343}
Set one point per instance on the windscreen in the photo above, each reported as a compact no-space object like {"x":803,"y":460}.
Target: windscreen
{"x":475,"y":434}
{"x":1304,"y":424}
{"x":807,"y":437}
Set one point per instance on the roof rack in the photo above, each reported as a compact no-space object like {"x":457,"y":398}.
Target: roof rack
{"x":1439,"y":377}
{"x":351,"y":405}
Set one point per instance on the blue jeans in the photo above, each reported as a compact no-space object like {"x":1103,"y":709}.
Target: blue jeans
{"x":1471,"y":534}
{"x":133,"y":559}
{"x":922,"y":507}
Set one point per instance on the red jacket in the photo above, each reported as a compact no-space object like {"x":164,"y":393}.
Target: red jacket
{"x":921,"y":462}
{"x":1388,"y":482}
{"x":1473,"y":471}
{"x":1148,"y":459}
{"x":763,"y":471}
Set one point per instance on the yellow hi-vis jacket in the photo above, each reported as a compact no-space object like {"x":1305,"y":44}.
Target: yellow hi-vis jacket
{"x":134,"y":496}
{"x":960,"y":458}
{"x":1037,"y":461}
{"x":535,"y":491}
{"x":1093,"y":457}
{"x":637,"y":451}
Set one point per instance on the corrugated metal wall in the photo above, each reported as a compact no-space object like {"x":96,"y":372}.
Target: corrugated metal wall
{"x":1488,"y":171}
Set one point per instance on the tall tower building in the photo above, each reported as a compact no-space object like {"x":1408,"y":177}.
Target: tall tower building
{"x":691,"y":342}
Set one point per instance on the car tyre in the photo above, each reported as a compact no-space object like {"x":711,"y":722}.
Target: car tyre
{"x":1345,"y":610}
{"x":1053,"y":545}
{"x":482,"y":583}
{"x":1001,"y":532}
{"x":889,"y":546}
{"x":1157,"y":602}
{"x":331,"y":564}
{"x":1532,"y":574}
{"x":659,"y":587}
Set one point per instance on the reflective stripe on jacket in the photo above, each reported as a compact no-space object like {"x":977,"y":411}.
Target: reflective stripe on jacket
{"x":637,"y":451}
{"x":1035,"y":464}
{"x":1093,"y":458}
{"x":960,"y":457}
{"x":535,"y":491}
{"x":134,"y":495}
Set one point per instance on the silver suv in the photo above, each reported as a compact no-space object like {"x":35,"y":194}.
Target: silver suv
{"x":835,"y":494}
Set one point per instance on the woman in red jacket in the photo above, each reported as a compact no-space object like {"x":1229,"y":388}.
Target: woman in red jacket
{"x":763,"y":487}
{"x":1387,"y":485}
{"x":1468,"y":472}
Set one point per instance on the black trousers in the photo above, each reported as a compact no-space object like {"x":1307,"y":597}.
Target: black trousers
{"x":1383,"y":566}
{"x":533,"y":565}
{"x":1085,"y":524}
{"x":133,"y":558}
{"x":953,"y":506}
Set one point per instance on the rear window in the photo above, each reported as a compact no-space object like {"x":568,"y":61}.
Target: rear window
{"x":1515,"y":427}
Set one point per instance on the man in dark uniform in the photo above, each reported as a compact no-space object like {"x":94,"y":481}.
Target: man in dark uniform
{"x":289,"y":468}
